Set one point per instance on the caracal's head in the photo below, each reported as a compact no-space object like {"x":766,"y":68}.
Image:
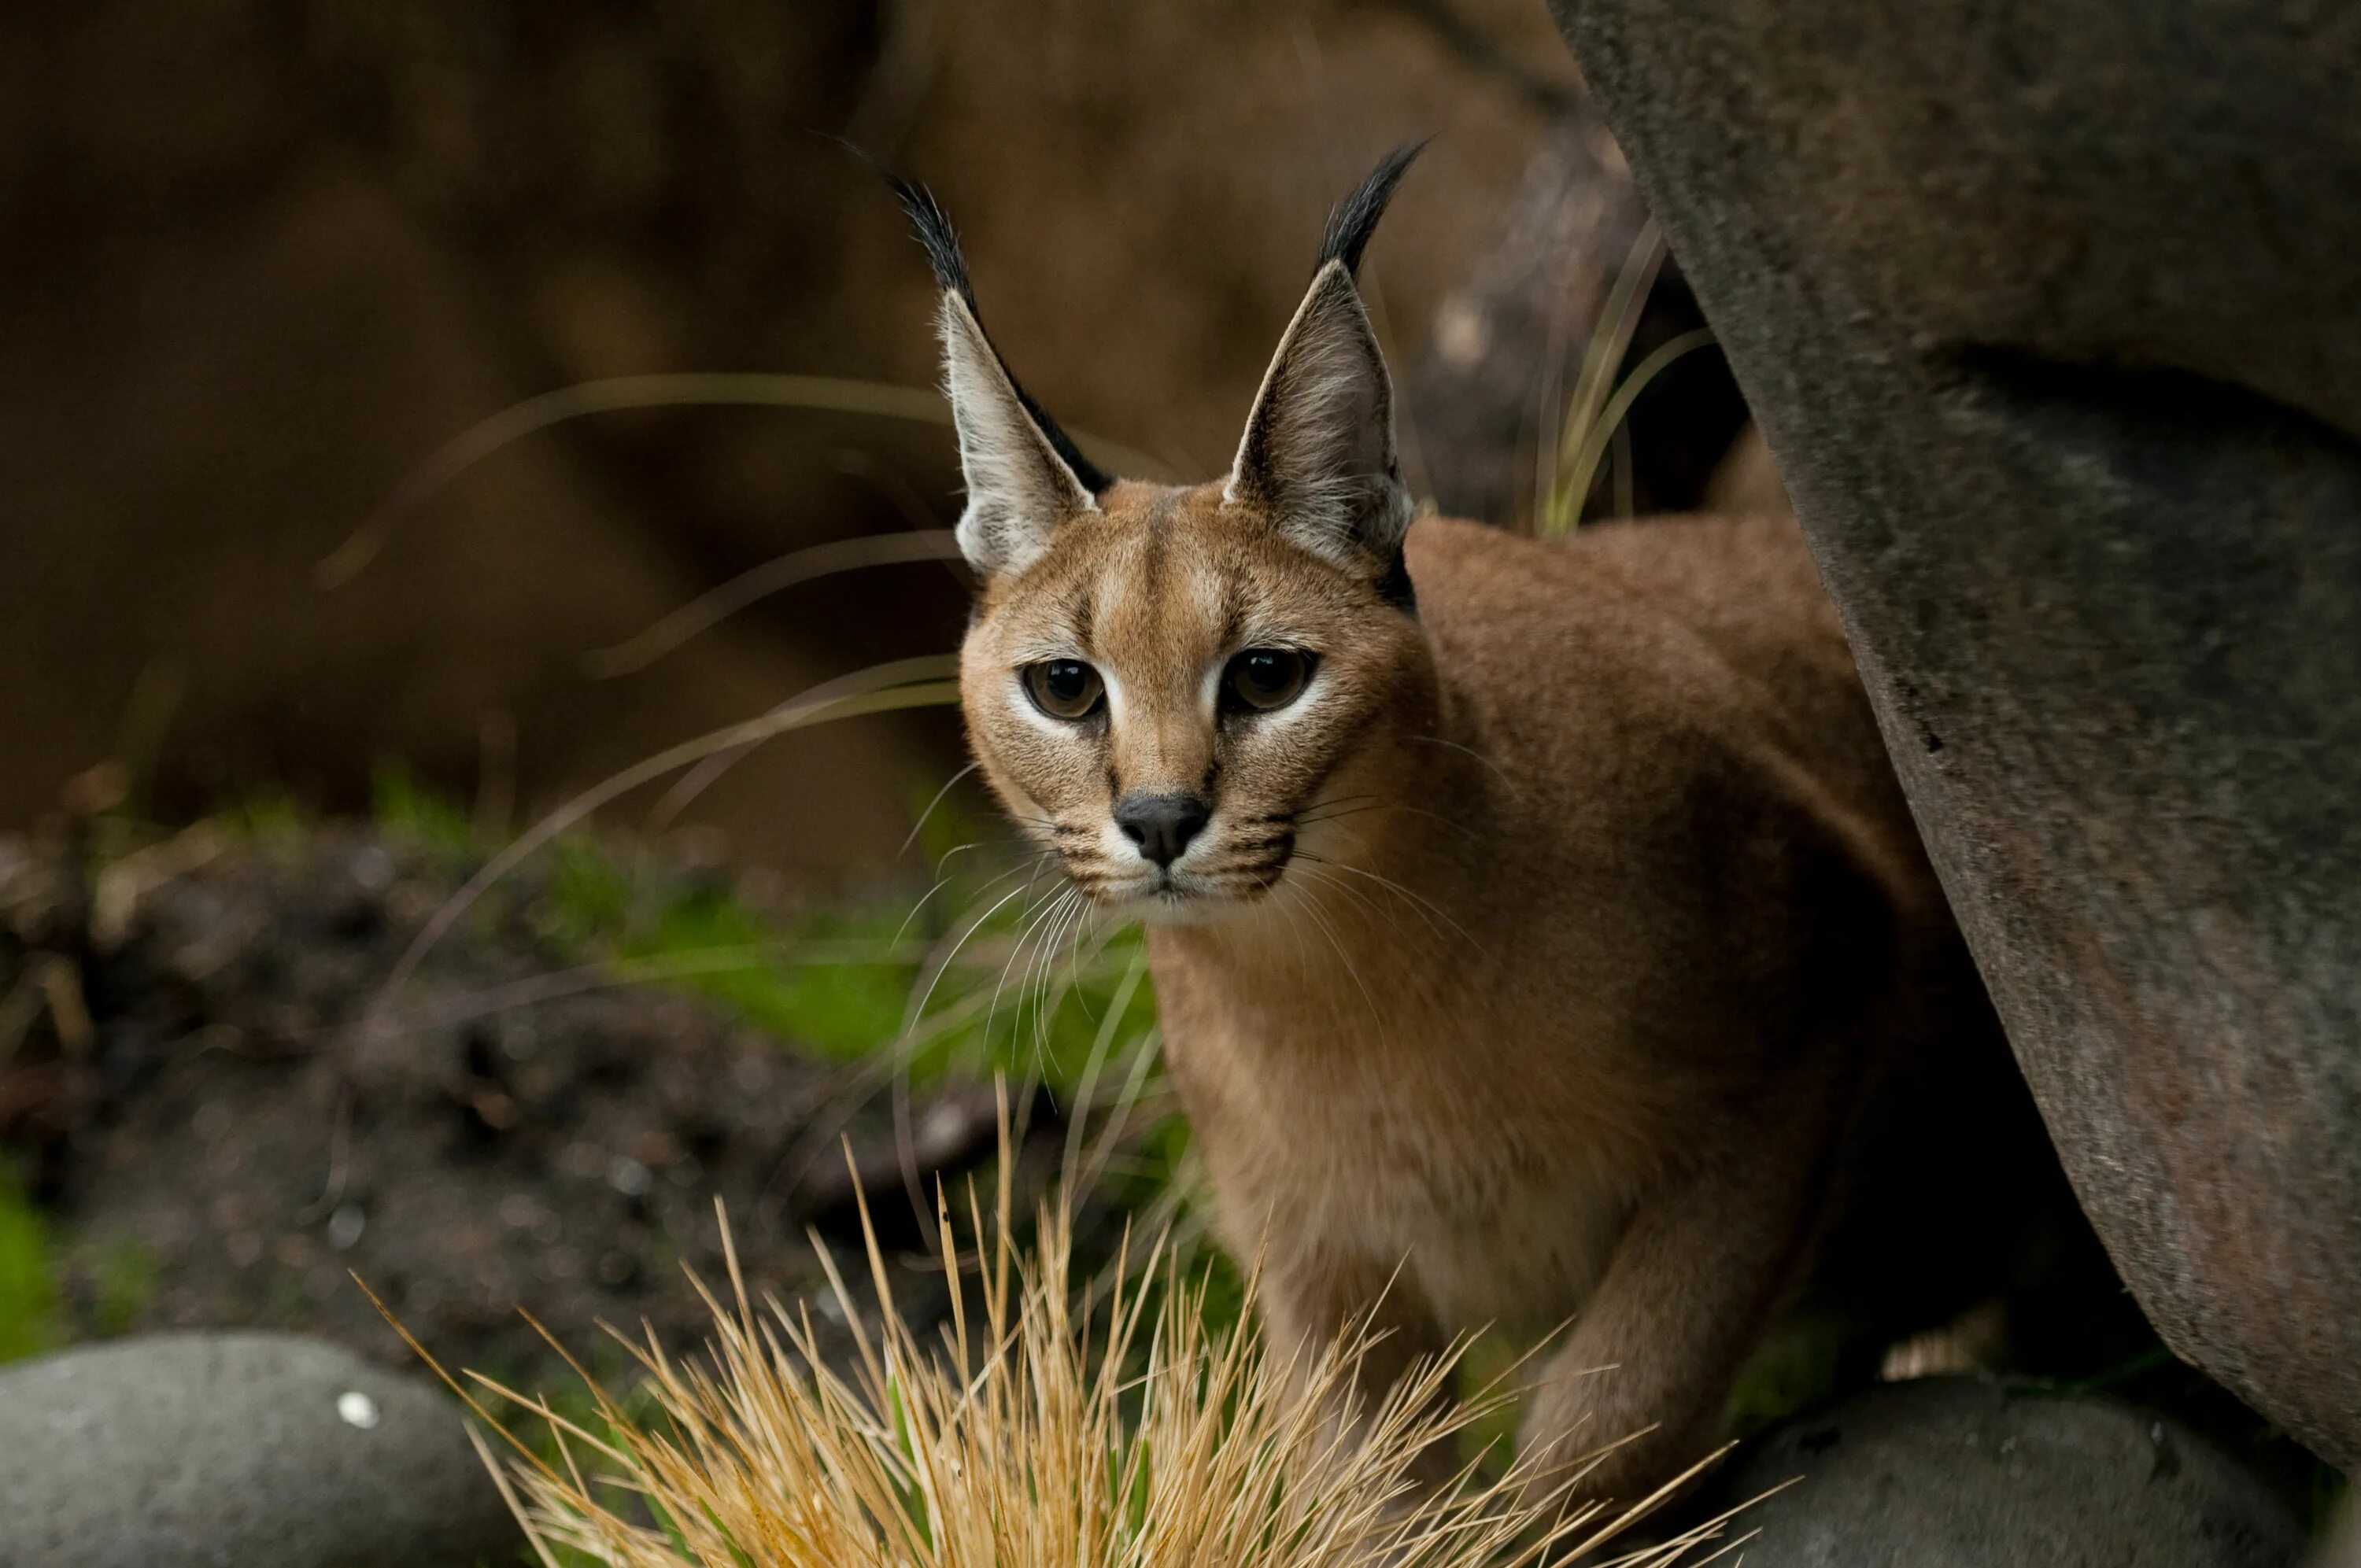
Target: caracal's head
{"x":1171,"y":686}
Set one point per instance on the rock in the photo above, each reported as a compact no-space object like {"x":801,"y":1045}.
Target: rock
{"x":2342,"y":1547}
{"x":237,"y":1451}
{"x":2049,"y":313}
{"x":1956,"y":1472}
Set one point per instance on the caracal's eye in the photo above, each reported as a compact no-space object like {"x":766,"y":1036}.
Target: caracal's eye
{"x":1064,"y":688}
{"x":1263,"y":678}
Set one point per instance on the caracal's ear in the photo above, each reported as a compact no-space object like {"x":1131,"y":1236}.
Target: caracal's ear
{"x":1025,"y":476}
{"x":1319,"y":449}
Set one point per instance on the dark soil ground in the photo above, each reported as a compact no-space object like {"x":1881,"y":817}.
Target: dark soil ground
{"x":193,"y":1089}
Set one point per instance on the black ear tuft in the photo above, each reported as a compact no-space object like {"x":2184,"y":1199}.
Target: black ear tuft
{"x":1355,"y":218}
{"x":933,"y":227}
{"x":927,"y":219}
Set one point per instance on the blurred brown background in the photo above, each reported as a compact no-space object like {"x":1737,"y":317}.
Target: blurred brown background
{"x":266,"y":258}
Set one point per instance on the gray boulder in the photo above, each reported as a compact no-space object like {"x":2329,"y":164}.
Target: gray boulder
{"x":237,"y":1451}
{"x":2342,"y":1547}
{"x":1954,"y":1473}
{"x":2051,"y":313}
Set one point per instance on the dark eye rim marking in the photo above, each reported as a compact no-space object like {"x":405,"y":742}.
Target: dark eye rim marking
{"x":1043,"y":681}
{"x":1242,"y":696}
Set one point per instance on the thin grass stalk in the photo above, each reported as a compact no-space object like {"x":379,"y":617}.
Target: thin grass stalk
{"x":898,"y":683}
{"x":755,"y":584}
{"x":1585,"y":468}
{"x":1609,"y":340}
{"x":834,"y":394}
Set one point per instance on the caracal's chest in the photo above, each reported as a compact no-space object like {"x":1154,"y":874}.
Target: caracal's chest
{"x":1429,"y":1154}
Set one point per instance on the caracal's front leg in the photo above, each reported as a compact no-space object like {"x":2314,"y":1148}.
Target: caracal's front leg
{"x":1649,"y":1363}
{"x":1312,"y":1298}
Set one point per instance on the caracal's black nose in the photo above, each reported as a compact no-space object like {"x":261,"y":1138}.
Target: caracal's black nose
{"x":1161,"y":825}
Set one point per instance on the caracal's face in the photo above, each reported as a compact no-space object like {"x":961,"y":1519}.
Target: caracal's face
{"x":1171,"y":690}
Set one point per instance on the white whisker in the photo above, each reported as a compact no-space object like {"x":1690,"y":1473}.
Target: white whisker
{"x":1426,"y":906}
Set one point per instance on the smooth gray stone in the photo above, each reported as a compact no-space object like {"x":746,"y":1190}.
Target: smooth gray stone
{"x":238,"y":1451}
{"x":2342,"y":1547}
{"x":2050,"y":310}
{"x":1955,"y":1473}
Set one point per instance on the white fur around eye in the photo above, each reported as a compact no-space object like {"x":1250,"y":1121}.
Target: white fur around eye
{"x":1021,"y":704}
{"x":1209,"y":692}
{"x":1309,"y":701}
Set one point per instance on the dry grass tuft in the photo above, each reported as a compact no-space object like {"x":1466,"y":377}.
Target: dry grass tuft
{"x":1043,"y":1431}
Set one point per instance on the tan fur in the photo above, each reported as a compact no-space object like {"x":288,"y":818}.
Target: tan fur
{"x":1602,"y":902}
{"x":1564,"y":950}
